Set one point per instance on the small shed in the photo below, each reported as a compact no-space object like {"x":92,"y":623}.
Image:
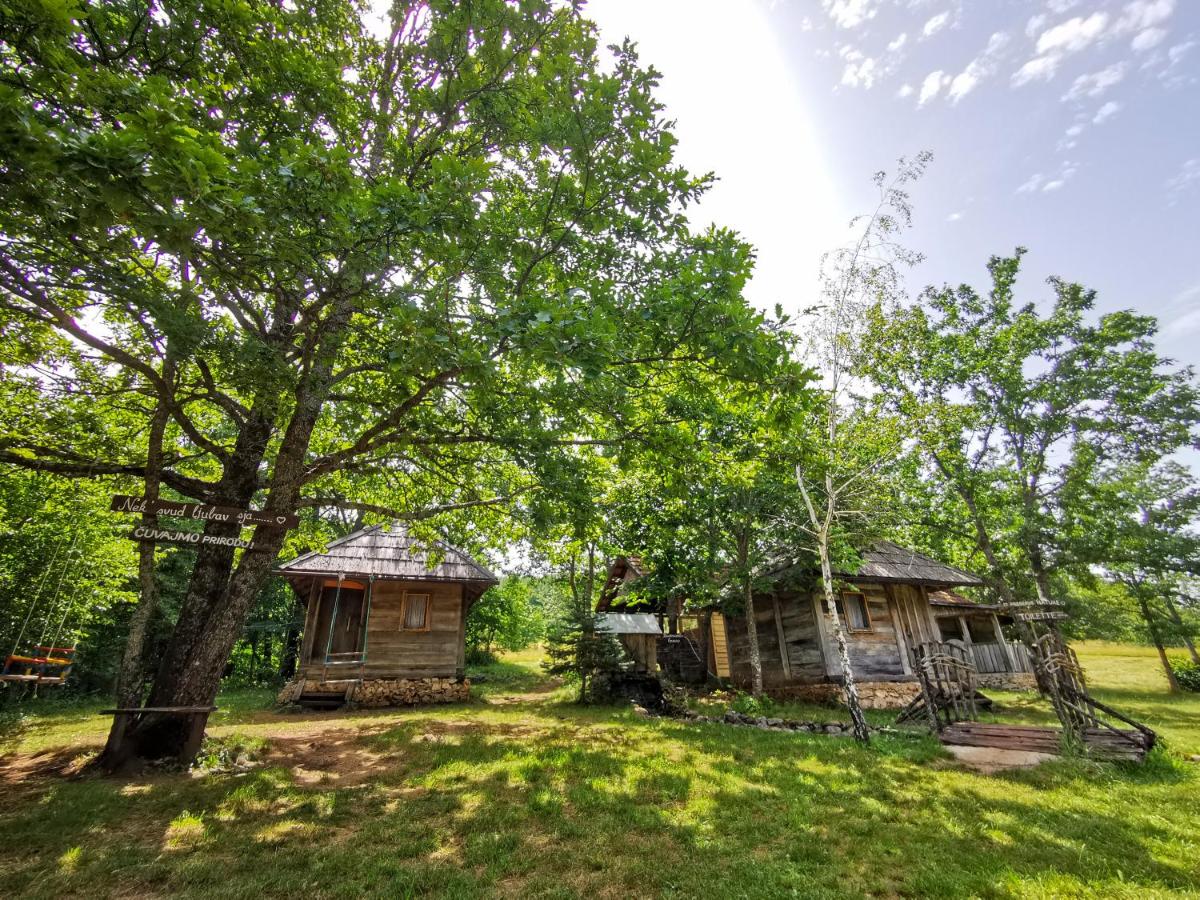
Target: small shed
{"x":638,"y":634}
{"x":385,"y":619}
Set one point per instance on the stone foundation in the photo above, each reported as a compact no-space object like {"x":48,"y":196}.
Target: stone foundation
{"x":378,"y":692}
{"x":1007,"y":681}
{"x":872,"y":694}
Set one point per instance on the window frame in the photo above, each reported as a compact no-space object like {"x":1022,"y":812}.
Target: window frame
{"x":866,"y":611}
{"x":428,"y":596}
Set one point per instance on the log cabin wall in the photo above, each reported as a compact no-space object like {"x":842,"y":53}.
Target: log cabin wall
{"x":396,"y":653}
{"x":802,"y":644}
{"x":877,"y":654}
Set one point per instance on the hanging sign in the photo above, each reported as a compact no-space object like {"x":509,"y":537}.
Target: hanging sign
{"x":1017,"y":604}
{"x":191,"y":538}
{"x":202,"y":511}
{"x":1046,"y":616}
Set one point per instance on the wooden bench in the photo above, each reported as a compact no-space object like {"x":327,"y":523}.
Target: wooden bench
{"x":198,"y":718}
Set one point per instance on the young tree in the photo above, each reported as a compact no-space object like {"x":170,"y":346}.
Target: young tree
{"x":847,"y":459}
{"x":395,"y":273}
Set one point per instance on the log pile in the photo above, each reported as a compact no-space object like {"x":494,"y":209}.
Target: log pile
{"x":383,"y":691}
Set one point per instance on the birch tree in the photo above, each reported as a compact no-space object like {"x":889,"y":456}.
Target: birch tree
{"x":847,"y":458}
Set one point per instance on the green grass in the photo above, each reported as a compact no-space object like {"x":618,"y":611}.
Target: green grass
{"x":522,"y":794}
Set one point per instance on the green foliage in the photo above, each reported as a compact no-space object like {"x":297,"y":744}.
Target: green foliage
{"x":1187,"y":673}
{"x":1022,"y":411}
{"x":750,"y":705}
{"x":510,"y":616}
{"x":578,"y":651}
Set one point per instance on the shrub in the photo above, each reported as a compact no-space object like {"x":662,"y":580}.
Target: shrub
{"x":1187,"y":673}
{"x":749,"y":705}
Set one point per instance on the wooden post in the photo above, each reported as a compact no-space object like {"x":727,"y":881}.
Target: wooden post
{"x":969,"y":645}
{"x":901,"y":641}
{"x":1008,"y":651}
{"x":827,"y":655}
{"x":783,"y":654}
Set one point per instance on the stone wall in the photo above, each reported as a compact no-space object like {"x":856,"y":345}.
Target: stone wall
{"x":872,"y":694}
{"x":1007,"y":681}
{"x":384,"y":691}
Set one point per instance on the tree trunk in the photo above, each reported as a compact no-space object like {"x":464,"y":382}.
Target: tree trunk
{"x":290,"y":654}
{"x":756,"y":678}
{"x":1152,"y":627}
{"x":129,"y":687}
{"x":1182,"y":627}
{"x":705,"y":619}
{"x":859,"y":723}
{"x":217,"y":603}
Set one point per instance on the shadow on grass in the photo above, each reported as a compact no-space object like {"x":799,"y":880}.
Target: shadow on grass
{"x":574,"y":802}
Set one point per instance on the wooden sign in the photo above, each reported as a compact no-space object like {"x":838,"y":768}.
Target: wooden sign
{"x":1047,"y":616}
{"x":202,"y":512}
{"x":190,"y":538}
{"x":1018,"y":604}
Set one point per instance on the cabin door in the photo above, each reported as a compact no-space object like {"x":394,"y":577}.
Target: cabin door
{"x":344,"y":611}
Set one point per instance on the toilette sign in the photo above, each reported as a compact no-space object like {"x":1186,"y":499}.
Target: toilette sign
{"x":202,"y":512}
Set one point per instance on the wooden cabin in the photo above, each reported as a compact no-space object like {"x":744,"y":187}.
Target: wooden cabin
{"x":385,"y":620}
{"x":887,"y":609}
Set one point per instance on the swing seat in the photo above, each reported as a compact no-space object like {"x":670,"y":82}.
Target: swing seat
{"x":45,"y":669}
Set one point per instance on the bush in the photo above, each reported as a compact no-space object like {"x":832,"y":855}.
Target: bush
{"x":749,"y":705}
{"x":1187,"y":673}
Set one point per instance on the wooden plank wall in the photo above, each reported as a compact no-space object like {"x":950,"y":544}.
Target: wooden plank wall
{"x":801,"y":641}
{"x":875,"y":654}
{"x":392,"y":653}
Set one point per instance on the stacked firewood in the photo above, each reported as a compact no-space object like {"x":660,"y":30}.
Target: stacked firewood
{"x":408,"y":691}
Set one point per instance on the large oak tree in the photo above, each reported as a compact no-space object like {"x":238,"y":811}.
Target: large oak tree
{"x":319,"y":260}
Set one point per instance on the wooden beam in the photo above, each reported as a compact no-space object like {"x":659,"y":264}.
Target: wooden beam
{"x":783,"y":654}
{"x":826,"y":652}
{"x":901,"y":641}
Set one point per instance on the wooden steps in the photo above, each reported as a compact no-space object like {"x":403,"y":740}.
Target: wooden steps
{"x":322,"y":699}
{"x":1101,"y":743}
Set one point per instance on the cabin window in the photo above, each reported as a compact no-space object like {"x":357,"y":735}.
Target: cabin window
{"x":414,"y":615}
{"x":852,"y":610}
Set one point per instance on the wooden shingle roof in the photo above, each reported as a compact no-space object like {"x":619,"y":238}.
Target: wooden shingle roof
{"x":388,"y":551}
{"x":885,"y":561}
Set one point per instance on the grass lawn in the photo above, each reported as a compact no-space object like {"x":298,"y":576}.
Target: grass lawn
{"x":520,"y":793}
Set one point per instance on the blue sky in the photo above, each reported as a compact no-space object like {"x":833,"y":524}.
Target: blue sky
{"x":1068,"y":127}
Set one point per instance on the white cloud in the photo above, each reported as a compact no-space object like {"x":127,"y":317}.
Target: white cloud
{"x":1142,"y":14}
{"x":1034,"y":182}
{"x":1145,"y":40}
{"x":977,"y":69}
{"x":1072,"y":35}
{"x":898,"y":42}
{"x":1034,"y":25}
{"x":906,"y":90}
{"x":932,"y":86}
{"x":1075,"y":130}
{"x":954,"y":217}
{"x":1106,"y":112}
{"x":860,"y":71}
{"x":1040,"y":68}
{"x":850,"y":13}
{"x":1048,"y":183}
{"x":1096,"y":83}
{"x":1061,"y":6}
{"x":936,"y":24}
{"x":1184,"y":181}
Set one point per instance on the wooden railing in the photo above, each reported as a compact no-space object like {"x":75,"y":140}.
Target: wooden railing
{"x":995,"y":657}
